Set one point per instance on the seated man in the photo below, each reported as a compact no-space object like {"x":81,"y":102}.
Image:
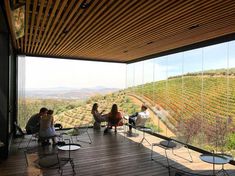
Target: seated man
{"x":33,"y":124}
{"x":139,"y":118}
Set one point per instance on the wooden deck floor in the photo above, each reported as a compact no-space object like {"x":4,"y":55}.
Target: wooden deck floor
{"x":109,"y":155}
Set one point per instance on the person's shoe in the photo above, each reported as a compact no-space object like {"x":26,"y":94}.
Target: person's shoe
{"x":106,"y":130}
{"x":129,"y":133}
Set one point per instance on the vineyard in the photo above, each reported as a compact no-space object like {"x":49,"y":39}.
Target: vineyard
{"x":194,"y":107}
{"x":200,"y":106}
{"x":74,"y":112}
{"x":82,"y":114}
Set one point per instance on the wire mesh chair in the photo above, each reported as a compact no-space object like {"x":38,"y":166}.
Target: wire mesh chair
{"x":23,"y":135}
{"x":77,"y":132}
{"x":172,"y":145}
{"x":50,"y":160}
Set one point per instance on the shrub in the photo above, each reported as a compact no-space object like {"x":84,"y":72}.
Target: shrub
{"x":230,"y":142}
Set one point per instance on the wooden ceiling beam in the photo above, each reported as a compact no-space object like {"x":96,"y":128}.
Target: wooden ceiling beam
{"x":42,"y":27}
{"x":94,"y":30}
{"x":82,"y":20}
{"x":122,"y":30}
{"x":58,"y":30}
{"x":32,"y":24}
{"x":48,"y":25}
{"x":37,"y":25}
{"x":57,"y":39}
{"x":186,"y":38}
{"x":163,"y":31}
{"x":26,"y":26}
{"x":130,"y":26}
{"x":52,"y":28}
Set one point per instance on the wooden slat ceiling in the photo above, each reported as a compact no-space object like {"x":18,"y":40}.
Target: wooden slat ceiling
{"x":120,"y":30}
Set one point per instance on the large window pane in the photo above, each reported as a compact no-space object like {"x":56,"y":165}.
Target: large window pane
{"x":192,"y":94}
{"x":160,"y":94}
{"x":229,"y":134}
{"x":174,"y":92}
{"x":138,"y":78}
{"x":215,"y":95}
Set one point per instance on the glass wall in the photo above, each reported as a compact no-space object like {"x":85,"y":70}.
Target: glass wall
{"x":191,"y":95}
{"x":192,"y":86}
{"x":21,"y":112}
{"x":71,"y":87}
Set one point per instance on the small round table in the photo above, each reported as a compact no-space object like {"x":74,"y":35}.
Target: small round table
{"x":216,"y":159}
{"x":69,"y":147}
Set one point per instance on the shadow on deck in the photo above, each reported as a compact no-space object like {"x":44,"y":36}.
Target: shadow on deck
{"x":111,"y":154}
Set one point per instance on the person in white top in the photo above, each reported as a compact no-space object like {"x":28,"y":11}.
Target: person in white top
{"x":139,"y":118}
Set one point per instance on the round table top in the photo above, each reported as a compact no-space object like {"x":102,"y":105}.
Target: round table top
{"x":215,"y":159}
{"x":70,"y":147}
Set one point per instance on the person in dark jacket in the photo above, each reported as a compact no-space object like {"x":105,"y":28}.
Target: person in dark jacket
{"x":33,"y":124}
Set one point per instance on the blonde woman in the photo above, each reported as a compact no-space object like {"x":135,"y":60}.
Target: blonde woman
{"x":47,"y":129}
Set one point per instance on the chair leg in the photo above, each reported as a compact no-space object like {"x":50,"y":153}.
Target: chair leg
{"x":90,"y":141}
{"x":144,"y":139}
{"x":168,"y":163}
{"x":89,"y":137}
{"x":71,"y":139}
{"x":191,"y":159}
{"x":152,"y":152}
{"x":72,"y":165}
{"x":26,"y":159}
{"x":29,"y":141}
{"x":20,"y":142}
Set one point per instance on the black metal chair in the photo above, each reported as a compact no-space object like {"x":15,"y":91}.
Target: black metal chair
{"x":171,"y":145}
{"x":77,"y":132}
{"x":50,"y":161}
{"x":22,"y":135}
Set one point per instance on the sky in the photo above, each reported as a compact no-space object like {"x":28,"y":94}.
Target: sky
{"x":43,"y":73}
{"x":63,"y":73}
{"x":207,"y":58}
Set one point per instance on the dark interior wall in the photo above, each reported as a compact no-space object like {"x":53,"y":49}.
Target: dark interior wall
{"x":7,"y":86}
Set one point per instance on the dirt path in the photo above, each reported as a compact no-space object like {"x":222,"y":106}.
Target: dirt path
{"x":156,"y":120}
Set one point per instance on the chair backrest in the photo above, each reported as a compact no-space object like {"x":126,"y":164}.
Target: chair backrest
{"x":142,"y":118}
{"x":19,"y":131}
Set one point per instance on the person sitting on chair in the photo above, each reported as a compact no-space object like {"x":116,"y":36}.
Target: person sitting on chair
{"x":114,"y":118}
{"x":33,"y":123}
{"x":47,"y":129}
{"x":138,"y":118}
{"x":97,"y":116}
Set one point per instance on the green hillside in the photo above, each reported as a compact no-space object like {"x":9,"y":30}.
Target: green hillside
{"x":195,"y":107}
{"x":82,"y":114}
{"x":200,"y":106}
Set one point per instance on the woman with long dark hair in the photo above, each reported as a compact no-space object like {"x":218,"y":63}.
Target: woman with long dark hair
{"x":114,"y":118}
{"x":98,"y":117}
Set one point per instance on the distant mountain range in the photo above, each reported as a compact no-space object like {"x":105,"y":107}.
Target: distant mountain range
{"x":68,"y":93}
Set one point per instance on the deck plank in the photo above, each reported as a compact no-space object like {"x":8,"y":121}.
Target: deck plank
{"x":111,"y":154}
